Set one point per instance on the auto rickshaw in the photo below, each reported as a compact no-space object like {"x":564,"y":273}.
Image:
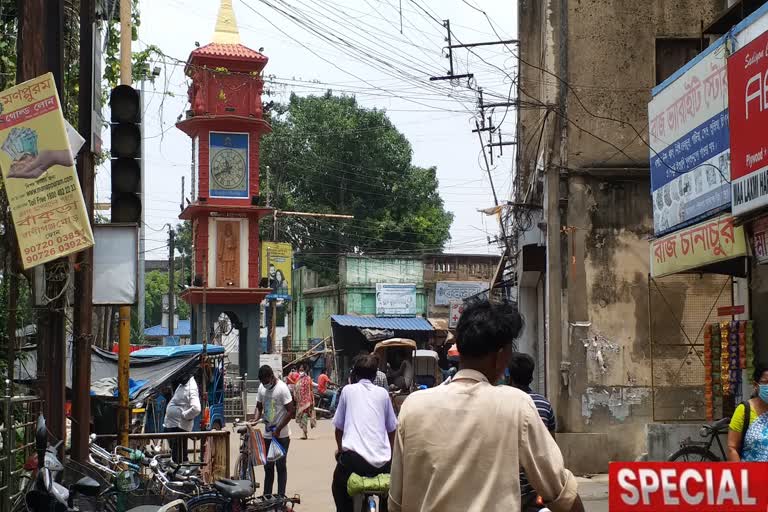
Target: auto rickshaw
{"x":397,"y":359}
{"x":427,"y":369}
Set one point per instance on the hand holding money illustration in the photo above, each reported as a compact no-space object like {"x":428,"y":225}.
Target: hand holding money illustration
{"x":32,"y":167}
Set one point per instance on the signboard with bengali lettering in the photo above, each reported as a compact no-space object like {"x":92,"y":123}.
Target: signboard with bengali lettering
{"x":689,"y":139}
{"x":447,"y":291}
{"x":702,"y":244}
{"x":759,"y":239}
{"x":38,"y":171}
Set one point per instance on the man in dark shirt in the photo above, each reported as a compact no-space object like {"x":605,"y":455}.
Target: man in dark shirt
{"x":521,"y":368}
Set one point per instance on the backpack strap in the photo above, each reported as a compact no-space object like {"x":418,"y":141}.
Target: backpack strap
{"x":747,"y":418}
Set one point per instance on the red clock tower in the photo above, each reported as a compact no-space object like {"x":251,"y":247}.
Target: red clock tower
{"x":225,"y":123}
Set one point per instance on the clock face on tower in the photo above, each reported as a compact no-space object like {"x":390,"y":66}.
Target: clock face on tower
{"x":228,"y":169}
{"x":228,"y":163}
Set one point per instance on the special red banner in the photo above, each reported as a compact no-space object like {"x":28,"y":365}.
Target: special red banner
{"x":691,"y":487}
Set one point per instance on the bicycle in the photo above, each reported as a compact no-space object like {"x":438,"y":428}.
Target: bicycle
{"x":701,"y":451}
{"x":244,"y":467}
{"x":366,"y":491}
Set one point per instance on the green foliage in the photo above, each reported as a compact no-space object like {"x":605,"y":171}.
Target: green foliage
{"x":184,"y":247}
{"x":156,"y":285}
{"x":327,"y":154}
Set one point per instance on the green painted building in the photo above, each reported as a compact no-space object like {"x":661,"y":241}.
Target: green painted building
{"x":354,"y":294}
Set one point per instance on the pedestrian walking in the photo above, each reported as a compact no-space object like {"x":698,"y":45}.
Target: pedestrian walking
{"x":275,"y":404}
{"x":305,"y":402}
{"x":485,"y":432}
{"x":365,"y":427}
{"x":748,"y":430}
{"x":180,"y":414}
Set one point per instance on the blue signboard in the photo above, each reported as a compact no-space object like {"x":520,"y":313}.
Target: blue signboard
{"x":690,"y":143}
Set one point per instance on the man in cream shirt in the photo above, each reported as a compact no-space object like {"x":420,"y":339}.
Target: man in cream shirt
{"x":459,"y":447}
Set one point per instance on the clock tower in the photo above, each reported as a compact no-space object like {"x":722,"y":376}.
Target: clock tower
{"x":225,"y":122}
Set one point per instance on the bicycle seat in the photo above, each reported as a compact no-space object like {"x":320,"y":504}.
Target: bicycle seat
{"x":378,"y":484}
{"x":720,"y":426}
{"x":235,"y":489}
{"x":242,"y":430}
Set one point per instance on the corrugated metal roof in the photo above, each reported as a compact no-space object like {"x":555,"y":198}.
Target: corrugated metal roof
{"x":398,"y":324}
{"x":183,"y":329}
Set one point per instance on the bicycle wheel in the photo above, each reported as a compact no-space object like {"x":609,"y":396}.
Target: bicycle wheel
{"x":244,"y":468}
{"x":693,"y":454}
{"x":208,"y":503}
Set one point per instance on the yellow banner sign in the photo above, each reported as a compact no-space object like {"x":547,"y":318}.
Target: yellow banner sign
{"x":709,"y":242}
{"x":276,"y":265}
{"x":39,"y":175}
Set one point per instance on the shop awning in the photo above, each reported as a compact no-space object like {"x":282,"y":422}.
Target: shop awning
{"x":389,"y":323}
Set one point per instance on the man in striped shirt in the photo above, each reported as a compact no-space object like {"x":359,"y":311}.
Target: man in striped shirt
{"x":521,"y":368}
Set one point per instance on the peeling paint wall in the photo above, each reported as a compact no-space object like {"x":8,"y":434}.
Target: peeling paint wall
{"x":610,"y":50}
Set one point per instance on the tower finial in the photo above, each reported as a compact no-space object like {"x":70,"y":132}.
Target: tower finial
{"x":226,"y":25}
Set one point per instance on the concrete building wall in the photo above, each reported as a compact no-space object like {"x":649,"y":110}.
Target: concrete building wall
{"x":586,"y":72}
{"x":363,"y":270}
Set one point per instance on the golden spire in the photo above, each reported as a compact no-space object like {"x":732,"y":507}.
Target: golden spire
{"x":226,"y":25}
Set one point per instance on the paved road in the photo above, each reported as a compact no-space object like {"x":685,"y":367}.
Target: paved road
{"x":311,"y":463}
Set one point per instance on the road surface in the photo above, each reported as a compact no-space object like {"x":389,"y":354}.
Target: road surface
{"x":311,"y":464}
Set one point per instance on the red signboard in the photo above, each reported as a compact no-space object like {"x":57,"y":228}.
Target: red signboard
{"x":687,"y":487}
{"x":748,"y":120}
{"x":730,"y":311}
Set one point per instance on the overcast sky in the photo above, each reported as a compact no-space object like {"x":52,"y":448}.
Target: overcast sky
{"x":436,"y":117}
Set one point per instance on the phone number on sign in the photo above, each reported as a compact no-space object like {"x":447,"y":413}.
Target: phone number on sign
{"x":50,"y":248}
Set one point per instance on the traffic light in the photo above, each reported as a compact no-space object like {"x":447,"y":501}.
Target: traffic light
{"x":125,"y":131}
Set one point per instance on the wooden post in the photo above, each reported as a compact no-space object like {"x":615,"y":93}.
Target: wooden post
{"x":83,"y":316}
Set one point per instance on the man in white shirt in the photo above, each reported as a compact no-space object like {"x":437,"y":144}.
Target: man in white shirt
{"x":180,"y":415}
{"x":365,"y":427}
{"x":275,"y":404}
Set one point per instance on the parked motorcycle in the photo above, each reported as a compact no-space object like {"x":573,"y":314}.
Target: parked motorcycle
{"x":45,"y":494}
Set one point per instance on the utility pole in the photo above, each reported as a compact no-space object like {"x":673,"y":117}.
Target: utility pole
{"x":171,"y":279}
{"x":41,"y":50}
{"x":140,"y":313}
{"x":450,"y":75}
{"x":83,"y":315}
{"x":272,"y":345}
{"x":124,"y":342}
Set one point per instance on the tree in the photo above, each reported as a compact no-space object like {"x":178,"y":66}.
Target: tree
{"x":184,"y":247}
{"x":156,"y":285}
{"x":327,"y":154}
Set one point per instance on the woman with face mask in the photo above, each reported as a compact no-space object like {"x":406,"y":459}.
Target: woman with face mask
{"x":748,"y":430}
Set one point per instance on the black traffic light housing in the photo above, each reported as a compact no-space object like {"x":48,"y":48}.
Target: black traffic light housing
{"x":125,"y":129}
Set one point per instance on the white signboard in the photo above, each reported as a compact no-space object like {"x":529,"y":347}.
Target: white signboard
{"x":456,"y":308}
{"x":115,"y":265}
{"x":395,"y":299}
{"x":447,"y":291}
{"x":274,"y":361}
{"x":689,"y":139}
